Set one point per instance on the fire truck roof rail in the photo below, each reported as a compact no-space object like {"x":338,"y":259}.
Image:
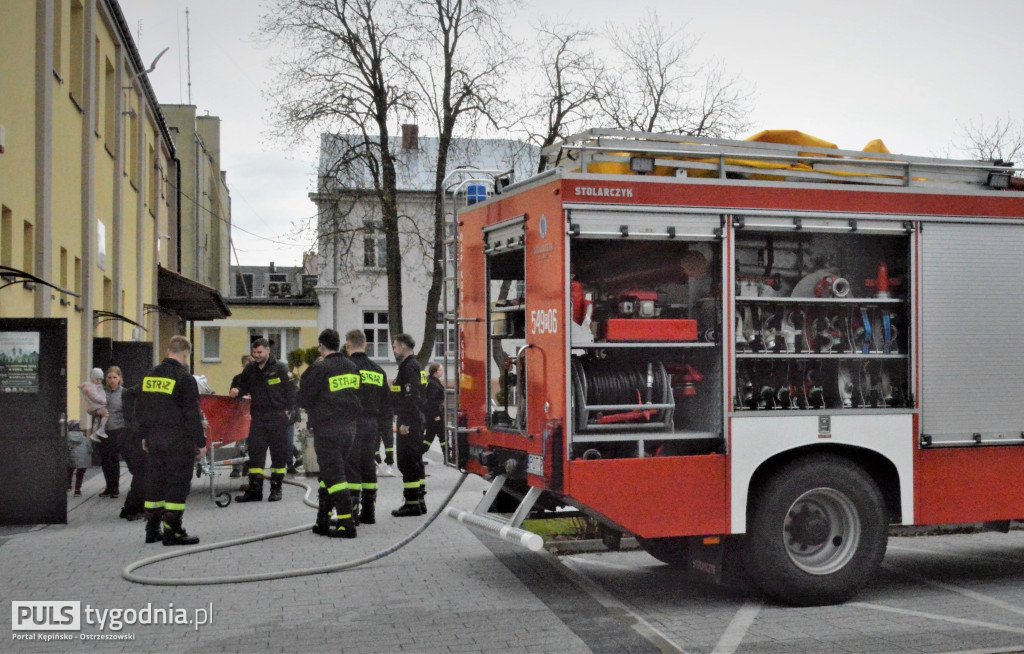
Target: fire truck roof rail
{"x":609,"y":151}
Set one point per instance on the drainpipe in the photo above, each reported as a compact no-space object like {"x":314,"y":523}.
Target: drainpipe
{"x":177,"y":210}
{"x":195,"y":203}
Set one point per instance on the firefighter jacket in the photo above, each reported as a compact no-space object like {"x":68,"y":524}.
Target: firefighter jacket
{"x":271,"y":390}
{"x":329,"y":391}
{"x":167,"y":410}
{"x":407,"y":391}
{"x":433,"y":405}
{"x":373,"y":386}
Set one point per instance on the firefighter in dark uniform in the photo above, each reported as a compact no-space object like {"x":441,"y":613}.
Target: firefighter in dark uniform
{"x":272,"y":403}
{"x":329,"y":392}
{"x":171,"y":426}
{"x":433,"y":408}
{"x":373,"y":397}
{"x":407,"y":404}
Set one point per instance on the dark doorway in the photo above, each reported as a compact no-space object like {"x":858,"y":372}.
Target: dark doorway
{"x":33,"y":401}
{"x":134,"y":358}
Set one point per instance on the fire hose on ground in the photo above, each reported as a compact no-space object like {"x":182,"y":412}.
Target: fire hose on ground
{"x":128,"y":572}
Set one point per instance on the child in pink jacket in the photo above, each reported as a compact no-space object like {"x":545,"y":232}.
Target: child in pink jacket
{"x":95,"y":402}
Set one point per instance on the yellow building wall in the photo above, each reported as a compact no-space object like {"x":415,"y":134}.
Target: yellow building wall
{"x":234,"y":338}
{"x":22,"y":162}
{"x":18,"y":163}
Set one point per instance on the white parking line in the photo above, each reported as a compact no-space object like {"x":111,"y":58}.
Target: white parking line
{"x":941,"y":618}
{"x":641,"y":626}
{"x":1013,"y":649}
{"x":737,"y":629}
{"x":974,"y":595}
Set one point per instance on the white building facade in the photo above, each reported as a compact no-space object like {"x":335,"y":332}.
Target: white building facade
{"x":352,"y":289}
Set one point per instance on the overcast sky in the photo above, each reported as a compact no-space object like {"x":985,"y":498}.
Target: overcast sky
{"x":848,"y":72}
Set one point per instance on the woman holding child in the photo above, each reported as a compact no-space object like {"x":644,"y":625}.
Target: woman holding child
{"x":109,"y":446}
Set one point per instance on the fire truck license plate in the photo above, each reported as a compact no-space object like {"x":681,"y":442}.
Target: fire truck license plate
{"x":535,"y":465}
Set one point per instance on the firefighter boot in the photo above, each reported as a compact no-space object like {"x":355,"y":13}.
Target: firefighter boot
{"x":254,"y":493}
{"x":153,"y":517}
{"x":367,"y":513}
{"x":343,"y":507}
{"x":276,"y":479}
{"x":412,"y":504}
{"x":174,"y":533}
{"x":423,"y":498}
{"x":322,"y":527}
{"x":354,"y":497}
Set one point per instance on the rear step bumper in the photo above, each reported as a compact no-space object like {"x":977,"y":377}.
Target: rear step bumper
{"x":508,"y":530}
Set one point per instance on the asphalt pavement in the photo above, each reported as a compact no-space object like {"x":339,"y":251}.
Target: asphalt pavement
{"x":446,"y":592}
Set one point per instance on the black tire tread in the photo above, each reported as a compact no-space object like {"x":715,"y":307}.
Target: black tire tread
{"x":767,"y":561}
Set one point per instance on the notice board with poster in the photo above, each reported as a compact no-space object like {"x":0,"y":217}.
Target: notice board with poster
{"x":19,"y":362}
{"x":33,"y":403}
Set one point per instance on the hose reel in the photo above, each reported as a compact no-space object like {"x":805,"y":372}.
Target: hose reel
{"x":614,"y":395}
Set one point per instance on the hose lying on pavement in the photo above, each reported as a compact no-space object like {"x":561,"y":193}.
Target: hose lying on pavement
{"x":129,"y":575}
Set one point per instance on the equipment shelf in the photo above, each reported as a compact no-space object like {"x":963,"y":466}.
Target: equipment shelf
{"x":636,"y":345}
{"x":812,"y":355}
{"x":821,"y":300}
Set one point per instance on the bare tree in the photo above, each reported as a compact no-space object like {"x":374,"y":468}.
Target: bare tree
{"x":655,"y":86}
{"x":456,"y":62}
{"x":567,"y":100}
{"x":1002,"y":140}
{"x":341,"y":74}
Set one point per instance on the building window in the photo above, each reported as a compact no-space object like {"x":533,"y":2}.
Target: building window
{"x":77,"y":68}
{"x":375,"y":327}
{"x":63,"y":267}
{"x":6,"y":236}
{"x":28,"y":245}
{"x":243,"y":284}
{"x":282,"y":341}
{"x":375,"y":254}
{"x":97,"y":84}
{"x":58,"y":32}
{"x":132,"y":143}
{"x":440,"y":344}
{"x":78,"y":277}
{"x":109,"y":107}
{"x":211,"y":344}
{"x":152,"y":171}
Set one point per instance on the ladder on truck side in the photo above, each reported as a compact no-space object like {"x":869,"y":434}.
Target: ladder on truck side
{"x":479,"y":519}
{"x":455,"y":183}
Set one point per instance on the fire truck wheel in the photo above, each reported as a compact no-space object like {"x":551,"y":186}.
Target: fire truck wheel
{"x":817,"y":531}
{"x":673,"y":551}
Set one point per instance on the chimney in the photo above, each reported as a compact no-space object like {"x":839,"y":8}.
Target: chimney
{"x":410,"y":137}
{"x":272,"y":266}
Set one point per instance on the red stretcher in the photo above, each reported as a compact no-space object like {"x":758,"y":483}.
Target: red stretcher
{"x":227,"y":424}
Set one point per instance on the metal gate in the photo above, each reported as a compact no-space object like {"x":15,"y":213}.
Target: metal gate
{"x":33,"y":401}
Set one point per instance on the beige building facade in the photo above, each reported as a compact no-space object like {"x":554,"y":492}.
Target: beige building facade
{"x":86,"y":177}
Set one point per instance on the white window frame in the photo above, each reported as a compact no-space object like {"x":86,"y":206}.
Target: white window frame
{"x":282,"y":337}
{"x":374,"y":327}
{"x":207,"y":342}
{"x":439,"y":343}
{"x":378,"y":242}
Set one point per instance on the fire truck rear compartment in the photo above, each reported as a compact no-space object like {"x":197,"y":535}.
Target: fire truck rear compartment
{"x":835,"y":340}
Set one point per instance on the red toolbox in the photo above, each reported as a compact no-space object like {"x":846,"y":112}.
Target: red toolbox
{"x":650,"y":329}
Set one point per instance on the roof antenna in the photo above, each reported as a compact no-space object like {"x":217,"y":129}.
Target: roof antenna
{"x":188,"y":52}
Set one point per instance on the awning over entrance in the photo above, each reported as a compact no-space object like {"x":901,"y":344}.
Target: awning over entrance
{"x":189,"y":299}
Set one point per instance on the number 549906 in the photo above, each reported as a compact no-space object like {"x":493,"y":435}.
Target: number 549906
{"x":544,"y":321}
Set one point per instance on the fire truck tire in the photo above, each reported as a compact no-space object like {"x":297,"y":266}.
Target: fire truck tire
{"x":673,"y":551}
{"x":817,"y":531}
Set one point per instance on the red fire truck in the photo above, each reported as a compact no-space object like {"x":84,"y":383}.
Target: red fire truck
{"x":753,"y":346}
